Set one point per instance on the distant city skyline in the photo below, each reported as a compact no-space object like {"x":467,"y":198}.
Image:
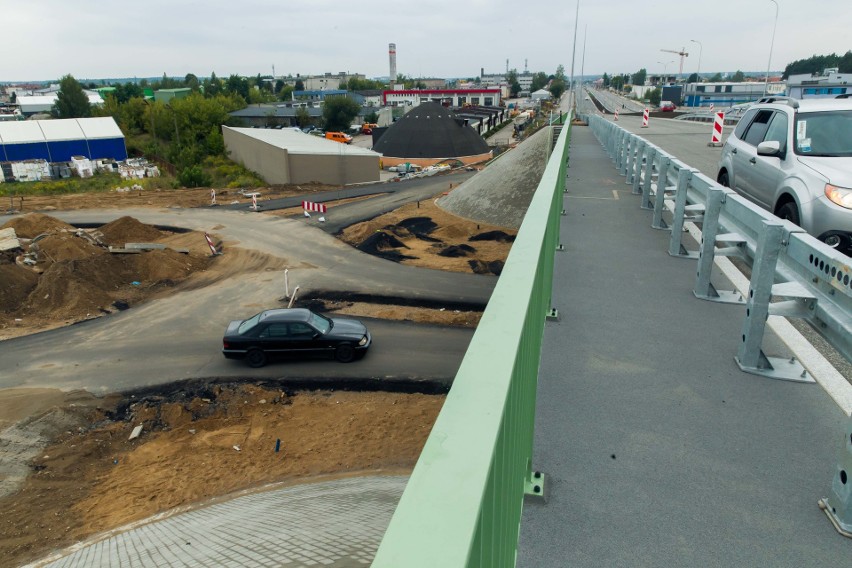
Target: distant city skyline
{"x":438,"y":40}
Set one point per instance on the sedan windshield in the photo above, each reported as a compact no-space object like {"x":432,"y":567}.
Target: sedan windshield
{"x":320,"y":323}
{"x":824,"y":134}
{"x":249,"y":324}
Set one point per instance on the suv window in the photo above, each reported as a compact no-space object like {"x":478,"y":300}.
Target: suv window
{"x":739,"y":131}
{"x":824,"y":133}
{"x":757,"y":129}
{"x":777,"y":130}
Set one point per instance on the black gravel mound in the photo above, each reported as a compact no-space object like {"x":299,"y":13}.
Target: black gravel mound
{"x":496,"y":267}
{"x":498,"y":236}
{"x":454,"y":251}
{"x":418,"y":225}
{"x":479,"y":267}
{"x":381,"y":244}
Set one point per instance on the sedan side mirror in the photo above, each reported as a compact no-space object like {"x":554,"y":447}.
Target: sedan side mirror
{"x":769,"y":148}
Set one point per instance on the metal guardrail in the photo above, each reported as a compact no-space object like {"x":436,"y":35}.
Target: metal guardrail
{"x":814,"y":280}
{"x":463,"y":503}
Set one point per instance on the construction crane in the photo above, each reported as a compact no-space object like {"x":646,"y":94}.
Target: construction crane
{"x":682,"y":54}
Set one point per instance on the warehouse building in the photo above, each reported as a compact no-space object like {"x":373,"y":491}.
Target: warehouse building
{"x":35,"y":104}
{"x":289,"y":156}
{"x":59,"y":140}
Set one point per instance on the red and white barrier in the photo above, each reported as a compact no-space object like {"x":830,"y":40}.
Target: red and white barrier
{"x":616,"y":115}
{"x":212,"y":196}
{"x":711,"y":107}
{"x":645,"y":115}
{"x":311,"y":206}
{"x":718,"y":124}
{"x":210,"y":244}
{"x":254,"y":201}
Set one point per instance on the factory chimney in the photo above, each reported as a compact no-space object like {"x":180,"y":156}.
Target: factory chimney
{"x":392,"y":55}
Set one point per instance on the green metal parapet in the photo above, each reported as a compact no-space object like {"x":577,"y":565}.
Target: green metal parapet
{"x":463,"y":503}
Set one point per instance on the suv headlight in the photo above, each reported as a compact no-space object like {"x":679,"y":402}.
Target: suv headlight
{"x":363,"y":341}
{"x":839,"y":195}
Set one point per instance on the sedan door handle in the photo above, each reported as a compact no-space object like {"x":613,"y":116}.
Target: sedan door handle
{"x":753,"y":160}
{"x":734,"y":151}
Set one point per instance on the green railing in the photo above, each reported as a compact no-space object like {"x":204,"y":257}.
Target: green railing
{"x":462,"y":506}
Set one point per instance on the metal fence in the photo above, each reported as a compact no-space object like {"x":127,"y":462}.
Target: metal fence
{"x":811,"y":280}
{"x":463,"y":503}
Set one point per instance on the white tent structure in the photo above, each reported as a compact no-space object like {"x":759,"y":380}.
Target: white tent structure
{"x":541,"y":95}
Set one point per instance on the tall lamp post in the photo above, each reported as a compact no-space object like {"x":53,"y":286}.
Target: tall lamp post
{"x":698,"y":72}
{"x":573,"y":53}
{"x":665,"y":67}
{"x":771,"y":45}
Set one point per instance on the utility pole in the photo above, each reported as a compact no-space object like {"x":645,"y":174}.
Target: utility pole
{"x":583,"y":65}
{"x":574,"y":52}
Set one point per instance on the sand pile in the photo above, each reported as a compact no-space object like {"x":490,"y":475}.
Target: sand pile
{"x":129,"y":230}
{"x":75,"y":278}
{"x":32,"y":225}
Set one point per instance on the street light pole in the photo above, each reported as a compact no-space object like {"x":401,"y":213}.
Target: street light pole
{"x":574,"y":53}
{"x":698,"y":72}
{"x":771,"y":45}
{"x":665,"y":69}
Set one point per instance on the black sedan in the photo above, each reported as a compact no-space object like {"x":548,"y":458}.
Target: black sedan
{"x":294,"y":331}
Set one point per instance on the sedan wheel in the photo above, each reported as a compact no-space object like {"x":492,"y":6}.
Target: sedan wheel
{"x":344,"y":353}
{"x":789,"y":212}
{"x":256,"y":358}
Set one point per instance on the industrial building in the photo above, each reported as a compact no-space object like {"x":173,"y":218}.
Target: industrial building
{"x":827,"y":84}
{"x":289,"y":156}
{"x":450,"y":97}
{"x":34,"y":104}
{"x":60,"y":140}
{"x":728,"y":94}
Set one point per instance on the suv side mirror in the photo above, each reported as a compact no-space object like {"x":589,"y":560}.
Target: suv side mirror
{"x":769,"y":148}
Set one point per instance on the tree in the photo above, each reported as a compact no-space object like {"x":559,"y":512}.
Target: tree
{"x":639,"y":77}
{"x":71,"y":101}
{"x":303,"y":117}
{"x":717,"y":78}
{"x":557,"y":87}
{"x":372,"y":118}
{"x":285,"y":93}
{"x":560,"y":72}
{"x":654,"y":96}
{"x":14,"y":98}
{"x":238,"y":85}
{"x":338,"y":112}
{"x":539,"y":80}
{"x":738,"y":77}
{"x":191,"y":81}
{"x":693,"y":78}
{"x":818,"y":63}
{"x":606,"y":80}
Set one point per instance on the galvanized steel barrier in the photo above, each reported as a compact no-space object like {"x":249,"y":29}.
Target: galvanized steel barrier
{"x":462,"y":505}
{"x":812,"y":280}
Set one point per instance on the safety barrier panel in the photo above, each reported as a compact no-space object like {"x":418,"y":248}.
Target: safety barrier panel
{"x":463,"y":503}
{"x":814,"y":279}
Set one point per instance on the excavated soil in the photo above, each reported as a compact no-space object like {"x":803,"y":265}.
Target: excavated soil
{"x":422,"y":234}
{"x":207,"y":442}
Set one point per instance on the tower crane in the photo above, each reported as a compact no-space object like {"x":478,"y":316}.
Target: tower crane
{"x":682,"y":54}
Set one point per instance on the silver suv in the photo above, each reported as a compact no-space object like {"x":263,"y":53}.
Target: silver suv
{"x":794,"y":158}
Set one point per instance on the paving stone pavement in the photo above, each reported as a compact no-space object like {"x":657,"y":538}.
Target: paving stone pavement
{"x":335,"y":524}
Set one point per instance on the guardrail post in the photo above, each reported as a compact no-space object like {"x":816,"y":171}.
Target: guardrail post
{"x":676,"y":248}
{"x":704,"y":289}
{"x":637,"y":166}
{"x":627,"y":167}
{"x":619,"y":149}
{"x":838,"y":505}
{"x":750,"y":357}
{"x":649,"y":174}
{"x":660,"y":195}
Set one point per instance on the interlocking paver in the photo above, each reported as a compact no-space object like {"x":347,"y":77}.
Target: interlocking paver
{"x":336,"y":523}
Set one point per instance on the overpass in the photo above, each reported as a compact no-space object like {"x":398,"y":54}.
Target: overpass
{"x":653,"y":430}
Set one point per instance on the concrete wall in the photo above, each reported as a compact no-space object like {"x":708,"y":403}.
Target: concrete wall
{"x":333,"y":170}
{"x":270,"y":162}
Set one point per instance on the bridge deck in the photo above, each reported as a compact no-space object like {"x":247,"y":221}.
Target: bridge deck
{"x":658,"y":450}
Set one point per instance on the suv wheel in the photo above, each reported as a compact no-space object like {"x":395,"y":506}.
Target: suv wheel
{"x":723,"y":179}
{"x":789,"y":212}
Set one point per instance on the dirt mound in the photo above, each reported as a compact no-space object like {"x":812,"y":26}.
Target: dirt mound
{"x":34,"y":224}
{"x":63,"y":292}
{"x":160,"y":266}
{"x":482,"y":267}
{"x":499,"y":236}
{"x":16,"y":283}
{"x":128,"y":230}
{"x":418,"y":225}
{"x":66,"y":246}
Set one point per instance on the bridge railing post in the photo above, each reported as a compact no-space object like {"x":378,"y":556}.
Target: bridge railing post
{"x":650,"y":160}
{"x":660,"y":193}
{"x":676,"y":247}
{"x":838,"y":505}
{"x":641,"y":156}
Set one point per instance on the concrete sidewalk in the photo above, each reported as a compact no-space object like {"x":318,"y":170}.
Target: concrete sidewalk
{"x":658,"y":451}
{"x":334,"y":524}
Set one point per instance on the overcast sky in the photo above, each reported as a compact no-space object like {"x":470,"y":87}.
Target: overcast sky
{"x":44,"y":39}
